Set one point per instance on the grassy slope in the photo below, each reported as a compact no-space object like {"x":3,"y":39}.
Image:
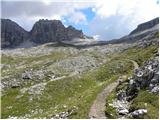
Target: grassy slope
{"x":74,"y":91}
{"x":138,"y":55}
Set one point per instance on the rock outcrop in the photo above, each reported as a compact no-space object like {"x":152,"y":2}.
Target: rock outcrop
{"x":144,"y":78}
{"x":12,"y":34}
{"x":52,"y":31}
{"x":43,"y":31}
{"x":146,"y":25}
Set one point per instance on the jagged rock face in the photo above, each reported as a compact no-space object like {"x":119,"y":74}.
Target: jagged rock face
{"x":146,"y":25}
{"x":144,"y":78}
{"x":53,"y":30}
{"x":43,"y":31}
{"x":73,"y":33}
{"x":12,"y":34}
{"x":47,"y":30}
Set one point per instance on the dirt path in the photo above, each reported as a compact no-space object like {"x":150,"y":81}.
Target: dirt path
{"x":134,"y":63}
{"x":97,"y":109}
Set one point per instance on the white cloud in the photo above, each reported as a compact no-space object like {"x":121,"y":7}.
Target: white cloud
{"x":78,"y":17}
{"x":113,"y":18}
{"x":29,"y":12}
{"x":116,"y":18}
{"x":96,"y":37}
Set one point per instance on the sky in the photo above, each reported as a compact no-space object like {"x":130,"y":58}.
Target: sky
{"x":102,"y":19}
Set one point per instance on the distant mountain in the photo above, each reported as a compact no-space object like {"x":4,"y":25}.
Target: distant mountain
{"x":146,"y":25}
{"x":43,"y":31}
{"x":12,"y":34}
{"x":53,"y":30}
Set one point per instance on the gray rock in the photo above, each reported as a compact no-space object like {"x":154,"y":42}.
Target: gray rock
{"x":27,"y":75}
{"x":138,"y":112}
{"x":39,"y":74}
{"x":123,"y":112}
{"x":155,"y":89}
{"x":121,"y":95}
{"x":14,"y":84}
{"x":121,"y":106}
{"x":138,"y":72}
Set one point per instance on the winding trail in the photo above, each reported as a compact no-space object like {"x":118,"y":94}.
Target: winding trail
{"x":97,"y":110}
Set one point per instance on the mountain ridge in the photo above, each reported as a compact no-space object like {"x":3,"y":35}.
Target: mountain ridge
{"x":45,"y":31}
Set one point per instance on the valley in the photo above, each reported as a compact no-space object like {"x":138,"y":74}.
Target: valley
{"x":63,"y":80}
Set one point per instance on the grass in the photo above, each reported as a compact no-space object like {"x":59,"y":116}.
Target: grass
{"x":149,"y":101}
{"x":72,"y":91}
{"x":79,"y":92}
{"x":110,"y":111}
{"x":137,"y":54}
{"x":140,"y":56}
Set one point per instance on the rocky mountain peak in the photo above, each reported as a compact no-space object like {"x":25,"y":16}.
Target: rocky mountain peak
{"x":12,"y":34}
{"x":43,"y":31}
{"x":52,"y":31}
{"x":146,"y":25}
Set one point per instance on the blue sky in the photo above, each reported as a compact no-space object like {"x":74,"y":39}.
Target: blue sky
{"x":89,"y":16}
{"x":102,"y":19}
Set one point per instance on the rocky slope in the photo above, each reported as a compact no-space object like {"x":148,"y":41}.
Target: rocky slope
{"x":43,"y":31}
{"x":146,"y":25}
{"x":12,"y":34}
{"x":62,"y":80}
{"x":145,"y":79}
{"x":52,"y":31}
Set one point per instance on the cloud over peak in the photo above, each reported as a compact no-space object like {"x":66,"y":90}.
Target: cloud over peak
{"x":111,"y":19}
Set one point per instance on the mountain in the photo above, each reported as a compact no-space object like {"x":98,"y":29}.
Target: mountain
{"x":143,"y":30}
{"x":53,"y":30}
{"x":82,"y":79}
{"x":146,"y":25}
{"x":12,"y":34}
{"x":43,"y":31}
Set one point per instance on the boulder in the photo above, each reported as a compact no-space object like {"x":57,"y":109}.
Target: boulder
{"x":121,"y":95}
{"x":14,"y":84}
{"x":123,"y":112}
{"x":138,"y":113}
{"x":155,"y":89}
{"x":27,"y":75}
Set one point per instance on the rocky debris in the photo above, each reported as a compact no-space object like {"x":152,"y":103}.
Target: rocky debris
{"x":36,"y":89}
{"x":155,"y":89}
{"x":65,"y":114}
{"x":79,"y":64}
{"x":27,"y":75}
{"x":15,"y":84}
{"x":122,"y":106}
{"x":138,"y":113}
{"x":33,"y":91}
{"x":39,"y":74}
{"x":146,"y":77}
